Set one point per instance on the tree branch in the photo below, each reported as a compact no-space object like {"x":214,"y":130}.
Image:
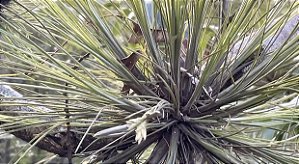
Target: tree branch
{"x":53,"y":142}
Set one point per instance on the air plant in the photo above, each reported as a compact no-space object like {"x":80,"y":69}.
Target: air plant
{"x":160,"y":81}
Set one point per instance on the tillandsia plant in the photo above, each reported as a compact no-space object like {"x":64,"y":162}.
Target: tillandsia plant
{"x":162,"y":81}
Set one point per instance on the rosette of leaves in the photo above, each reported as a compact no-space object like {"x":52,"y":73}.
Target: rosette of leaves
{"x":156,"y":82}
